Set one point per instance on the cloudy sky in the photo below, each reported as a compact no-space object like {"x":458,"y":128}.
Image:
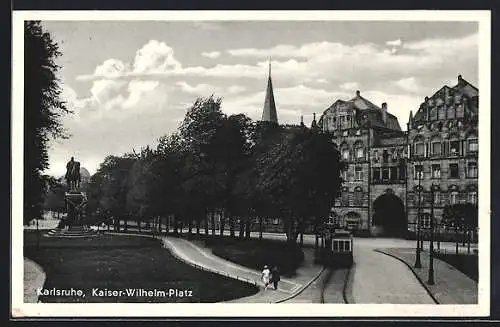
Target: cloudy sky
{"x":128,"y":83}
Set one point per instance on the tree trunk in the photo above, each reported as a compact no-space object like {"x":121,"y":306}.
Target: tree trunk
{"x":260,"y":227}
{"x":222,"y":222}
{"x":316,"y":242}
{"x":139,"y":224}
{"x":468,"y":240}
{"x":206,"y":222}
{"x":212,"y":218}
{"x":231,"y":224}
{"x":190,"y":227}
{"x":302,"y":238}
{"x":175,"y":224}
{"x":198,"y":227}
{"x":242,"y":228}
{"x":248,"y":225}
{"x":125,"y":225}
{"x":456,"y":239}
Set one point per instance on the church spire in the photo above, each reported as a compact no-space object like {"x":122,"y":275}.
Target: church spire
{"x":269,"y":113}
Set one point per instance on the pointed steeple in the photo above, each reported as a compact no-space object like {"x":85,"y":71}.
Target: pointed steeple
{"x":269,"y":113}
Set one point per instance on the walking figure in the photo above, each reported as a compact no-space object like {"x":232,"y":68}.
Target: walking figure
{"x":275,"y":277}
{"x":266,"y":275}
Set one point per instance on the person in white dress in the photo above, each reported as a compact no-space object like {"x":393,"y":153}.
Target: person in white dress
{"x":266,"y":276}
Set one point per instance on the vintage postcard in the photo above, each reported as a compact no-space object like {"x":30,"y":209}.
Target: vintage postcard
{"x":251,"y":164}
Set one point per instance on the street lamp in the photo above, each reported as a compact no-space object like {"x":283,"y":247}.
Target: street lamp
{"x":418,"y":264}
{"x":430,"y":281}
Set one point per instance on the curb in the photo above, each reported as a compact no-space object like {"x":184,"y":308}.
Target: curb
{"x":169,"y":248}
{"x":245,"y":280}
{"x":303,"y":287}
{"x":414,"y":273}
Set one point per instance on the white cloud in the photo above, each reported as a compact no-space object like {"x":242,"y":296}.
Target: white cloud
{"x":408,"y":84}
{"x":312,"y":61}
{"x":349,"y":86}
{"x":199,"y":89}
{"x":211,"y":55}
{"x":394,"y":43}
{"x":235,"y":89}
{"x":154,"y":57}
{"x":207,"y":89}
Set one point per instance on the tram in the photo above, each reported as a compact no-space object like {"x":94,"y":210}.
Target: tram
{"x":338,"y":251}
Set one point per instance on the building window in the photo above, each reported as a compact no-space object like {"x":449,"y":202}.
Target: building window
{"x":333,"y":219}
{"x":376,"y":174}
{"x":426,"y":220}
{"x":453,"y":197}
{"x":472,"y":145}
{"x":276,"y":221}
{"x":375,"y":156}
{"x":358,"y":196}
{"x":433,"y":113}
{"x":345,"y":197}
{"x":394,"y":155}
{"x":394,"y":173}
{"x":419,"y":149}
{"x":472,"y":170}
{"x":436,"y":148}
{"x":385,"y":174}
{"x":436,"y":171}
{"x":358,"y":173}
{"x":437,"y":198}
{"x":454,"y":170}
{"x":345,"y":133}
{"x":345,"y":154}
{"x":416,"y":197}
{"x":473,"y":197}
{"x":344,"y":174}
{"x":360,"y":153}
{"x":385,"y":156}
{"x":454,"y":148}
{"x":418,"y":172}
{"x":402,"y":172}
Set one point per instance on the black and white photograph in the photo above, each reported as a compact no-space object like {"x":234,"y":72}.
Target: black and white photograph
{"x":164,"y":163}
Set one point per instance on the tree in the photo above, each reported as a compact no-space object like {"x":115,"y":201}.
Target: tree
{"x":43,"y":109}
{"x":300,"y":175}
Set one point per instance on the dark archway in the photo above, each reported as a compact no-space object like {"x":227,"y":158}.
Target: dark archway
{"x":389,"y":215}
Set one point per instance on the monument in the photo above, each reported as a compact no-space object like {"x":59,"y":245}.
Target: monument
{"x":75,"y":200}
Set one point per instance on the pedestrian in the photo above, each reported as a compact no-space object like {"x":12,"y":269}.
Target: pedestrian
{"x":266,"y":274}
{"x":275,"y":277}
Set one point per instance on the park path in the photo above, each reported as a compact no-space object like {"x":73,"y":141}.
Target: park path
{"x":287,"y":288}
{"x":378,"y":278}
{"x":34,"y":278}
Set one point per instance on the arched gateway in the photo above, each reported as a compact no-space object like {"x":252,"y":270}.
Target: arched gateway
{"x":389,"y":217}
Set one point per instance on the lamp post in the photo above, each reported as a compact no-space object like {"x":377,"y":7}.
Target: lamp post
{"x":418,"y":264}
{"x":430,"y":281}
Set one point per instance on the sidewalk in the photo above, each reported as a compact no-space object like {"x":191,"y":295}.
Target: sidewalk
{"x":203,"y":258}
{"x":451,"y":286}
{"x":34,"y":278}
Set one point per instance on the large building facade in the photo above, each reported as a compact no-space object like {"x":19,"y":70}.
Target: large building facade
{"x":388,"y":168}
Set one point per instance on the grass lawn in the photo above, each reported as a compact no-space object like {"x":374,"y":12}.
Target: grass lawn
{"x":120,"y":262}
{"x":255,"y":253}
{"x":466,"y":263}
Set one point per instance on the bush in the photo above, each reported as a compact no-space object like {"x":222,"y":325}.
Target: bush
{"x":255,"y":253}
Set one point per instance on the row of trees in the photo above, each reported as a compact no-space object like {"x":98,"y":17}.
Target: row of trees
{"x":225,"y":165}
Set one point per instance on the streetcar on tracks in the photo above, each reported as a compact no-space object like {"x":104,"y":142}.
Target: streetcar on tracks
{"x":338,"y":249}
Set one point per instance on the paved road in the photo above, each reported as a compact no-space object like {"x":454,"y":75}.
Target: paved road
{"x":378,"y":278}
